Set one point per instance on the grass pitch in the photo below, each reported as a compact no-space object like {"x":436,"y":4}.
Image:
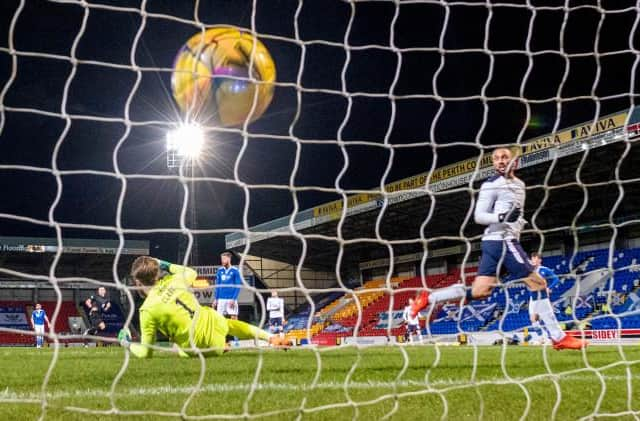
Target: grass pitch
{"x":421,"y":382}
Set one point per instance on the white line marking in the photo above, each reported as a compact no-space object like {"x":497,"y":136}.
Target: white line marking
{"x":8,"y":394}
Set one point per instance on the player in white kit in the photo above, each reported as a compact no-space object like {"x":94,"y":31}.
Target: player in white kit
{"x":413,"y":323}
{"x":275,"y":307}
{"x":500,"y":207}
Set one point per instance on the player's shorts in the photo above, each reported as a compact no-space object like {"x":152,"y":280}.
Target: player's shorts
{"x":276,"y":324}
{"x":95,"y":318}
{"x":515,"y":260}
{"x":412,"y":328}
{"x":39,"y":329}
{"x":209,"y":334}
{"x":227,"y":307}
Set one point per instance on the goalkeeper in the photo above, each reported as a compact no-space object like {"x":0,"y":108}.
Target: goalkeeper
{"x":170,"y":308}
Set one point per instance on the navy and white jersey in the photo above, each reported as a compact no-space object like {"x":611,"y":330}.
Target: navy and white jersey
{"x":38,"y":317}
{"x":406,"y":316}
{"x":549,"y":275}
{"x":275,"y":306}
{"x":230,"y":276}
{"x":498,"y":195}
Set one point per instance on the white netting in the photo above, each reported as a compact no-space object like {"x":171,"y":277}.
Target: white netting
{"x":468,"y":69}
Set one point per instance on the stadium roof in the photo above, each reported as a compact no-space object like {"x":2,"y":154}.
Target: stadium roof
{"x":71,"y":245}
{"x":571,"y":179}
{"x":31,"y":258}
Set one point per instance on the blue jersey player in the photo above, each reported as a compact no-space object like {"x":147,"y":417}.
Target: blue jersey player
{"x":38,"y":318}
{"x":540,"y":302}
{"x":500,"y":208}
{"x":228,"y":284}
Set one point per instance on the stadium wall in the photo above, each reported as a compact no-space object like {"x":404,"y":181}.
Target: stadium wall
{"x":276,"y":274}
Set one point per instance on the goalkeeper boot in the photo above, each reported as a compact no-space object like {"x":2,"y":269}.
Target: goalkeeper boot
{"x":279,"y":342}
{"x":569,"y":342}
{"x":420,"y":303}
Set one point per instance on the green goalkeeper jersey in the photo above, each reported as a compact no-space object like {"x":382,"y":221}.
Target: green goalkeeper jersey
{"x":172,"y":309}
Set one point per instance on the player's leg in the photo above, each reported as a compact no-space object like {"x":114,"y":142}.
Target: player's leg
{"x":482,"y":287}
{"x":560,"y":339}
{"x":518,"y":265}
{"x":89,"y":332}
{"x":275,"y":325}
{"x":39,"y":329}
{"x":534,"y":318}
{"x":243,"y":330}
{"x":221,"y":306}
{"x":281,"y":327}
{"x":232,"y":314}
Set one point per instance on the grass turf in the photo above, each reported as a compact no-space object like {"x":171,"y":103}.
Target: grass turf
{"x":408,"y":383}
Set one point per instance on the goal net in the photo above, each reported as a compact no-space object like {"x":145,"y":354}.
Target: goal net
{"x":354,"y":192}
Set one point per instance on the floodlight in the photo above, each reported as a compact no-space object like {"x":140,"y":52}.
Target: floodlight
{"x":186,"y":140}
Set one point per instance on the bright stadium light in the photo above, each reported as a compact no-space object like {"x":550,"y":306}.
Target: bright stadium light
{"x":185,"y":141}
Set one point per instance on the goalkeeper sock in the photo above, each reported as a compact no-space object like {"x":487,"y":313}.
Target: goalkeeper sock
{"x":246,"y":331}
{"x":545,"y":312}
{"x":449,"y":293}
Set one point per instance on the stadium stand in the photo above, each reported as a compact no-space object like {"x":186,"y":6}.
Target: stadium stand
{"x":582,"y":304}
{"x":24,"y":308}
{"x":82,"y":258}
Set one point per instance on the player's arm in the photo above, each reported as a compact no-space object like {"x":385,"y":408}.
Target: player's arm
{"x":33,"y":321}
{"x":188,"y":274}
{"x":46,"y":319}
{"x":216,"y":290}
{"x":484,"y":213}
{"x":147,"y":336}
{"x":551,"y":277}
{"x":236,"y":281}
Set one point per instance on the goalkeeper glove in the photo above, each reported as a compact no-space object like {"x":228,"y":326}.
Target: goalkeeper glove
{"x":164,"y":265}
{"x":511,"y":216}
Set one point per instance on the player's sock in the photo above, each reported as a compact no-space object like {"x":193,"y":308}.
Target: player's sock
{"x":452,"y":292}
{"x":535,"y":326}
{"x":545,"y":311}
{"x":246,"y":331}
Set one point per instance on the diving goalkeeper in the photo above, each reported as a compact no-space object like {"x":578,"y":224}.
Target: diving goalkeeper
{"x":173,"y":310}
